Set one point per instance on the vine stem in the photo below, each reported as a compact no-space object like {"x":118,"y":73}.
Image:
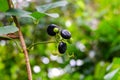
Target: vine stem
{"x":29,"y":72}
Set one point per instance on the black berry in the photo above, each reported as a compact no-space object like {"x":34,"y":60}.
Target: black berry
{"x":62,"y":47}
{"x":65,"y":34}
{"x":50,"y":29}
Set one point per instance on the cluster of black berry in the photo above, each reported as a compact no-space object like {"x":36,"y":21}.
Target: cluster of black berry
{"x":54,"y":30}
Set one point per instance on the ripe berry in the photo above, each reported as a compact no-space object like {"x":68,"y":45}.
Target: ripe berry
{"x":62,"y":47}
{"x":50,"y":29}
{"x":65,"y":34}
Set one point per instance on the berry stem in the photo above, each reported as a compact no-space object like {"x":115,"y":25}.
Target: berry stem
{"x":45,"y":42}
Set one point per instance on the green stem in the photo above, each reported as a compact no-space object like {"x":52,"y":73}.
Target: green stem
{"x":45,"y":42}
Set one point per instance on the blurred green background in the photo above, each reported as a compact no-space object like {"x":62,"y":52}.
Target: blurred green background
{"x":93,"y":55}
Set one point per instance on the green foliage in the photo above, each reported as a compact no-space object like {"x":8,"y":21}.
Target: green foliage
{"x":37,"y":15}
{"x":8,"y":29}
{"x":100,"y":70}
{"x":93,"y":54}
{"x":44,"y":8}
{"x":112,"y":75}
{"x":17,"y":12}
{"x":3,"y":5}
{"x":40,"y":11}
{"x":114,"y":70}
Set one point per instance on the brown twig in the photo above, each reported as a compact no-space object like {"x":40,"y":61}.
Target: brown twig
{"x":22,"y":43}
{"x":9,"y":36}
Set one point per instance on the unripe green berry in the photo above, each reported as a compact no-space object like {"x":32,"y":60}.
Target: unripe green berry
{"x":56,"y":30}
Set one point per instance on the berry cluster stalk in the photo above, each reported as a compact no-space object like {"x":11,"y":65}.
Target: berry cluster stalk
{"x":29,"y":73}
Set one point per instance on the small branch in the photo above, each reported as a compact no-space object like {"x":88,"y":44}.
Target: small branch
{"x":8,"y":37}
{"x":45,"y":42}
{"x":22,"y":43}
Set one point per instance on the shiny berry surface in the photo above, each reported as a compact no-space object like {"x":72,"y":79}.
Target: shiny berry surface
{"x":62,"y":47}
{"x":50,"y":29}
{"x":65,"y":34}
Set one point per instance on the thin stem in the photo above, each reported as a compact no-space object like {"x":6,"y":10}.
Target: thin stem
{"x":22,"y":43}
{"x":45,"y":42}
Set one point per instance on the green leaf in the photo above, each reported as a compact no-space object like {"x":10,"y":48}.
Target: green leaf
{"x":116,"y":60}
{"x":100,"y":70}
{"x":54,"y":15}
{"x":3,"y":5}
{"x":18,"y":12}
{"x":8,"y":29}
{"x":109,"y":67}
{"x":114,"y":70}
{"x":111,"y":75}
{"x":46,"y":7}
{"x":38,"y":15}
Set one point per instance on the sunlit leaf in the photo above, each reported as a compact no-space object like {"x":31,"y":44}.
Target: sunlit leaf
{"x":116,"y":60}
{"x":46,"y":7}
{"x":100,"y":70}
{"x":109,"y":67}
{"x":111,"y":75}
{"x":3,"y":5}
{"x":54,"y":15}
{"x":37,"y":15}
{"x":8,"y":29}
